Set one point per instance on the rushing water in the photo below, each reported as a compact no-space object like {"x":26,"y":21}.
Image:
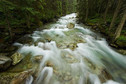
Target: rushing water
{"x":74,"y":56}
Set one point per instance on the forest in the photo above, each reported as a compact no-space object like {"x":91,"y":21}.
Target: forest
{"x":19,"y":17}
{"x":62,"y":41}
{"x":106,"y":16}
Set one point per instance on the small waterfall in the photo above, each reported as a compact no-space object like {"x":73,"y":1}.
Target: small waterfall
{"x":29,"y":80}
{"x":74,"y":56}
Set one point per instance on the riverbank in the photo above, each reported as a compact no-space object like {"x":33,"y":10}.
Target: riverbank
{"x":19,"y":34}
{"x":9,"y":55}
{"x":119,"y":44}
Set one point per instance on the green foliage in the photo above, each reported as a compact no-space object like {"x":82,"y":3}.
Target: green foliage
{"x":28,"y":13}
{"x":96,"y":20}
{"x":102,"y":12}
{"x":122,"y":38}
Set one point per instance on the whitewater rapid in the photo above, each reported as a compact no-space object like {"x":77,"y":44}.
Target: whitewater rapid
{"x":74,"y":56}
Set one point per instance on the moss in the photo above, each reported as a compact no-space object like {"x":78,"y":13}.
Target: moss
{"x":121,"y":41}
{"x":6,"y":77}
{"x":122,"y":38}
{"x":124,"y":32}
{"x":25,"y":64}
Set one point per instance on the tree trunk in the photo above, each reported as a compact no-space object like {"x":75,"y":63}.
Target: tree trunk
{"x":120,"y":26}
{"x":99,"y":9}
{"x":87,"y":10}
{"x":115,"y":14}
{"x":106,"y":11}
{"x":28,"y":21}
{"x":9,"y":28}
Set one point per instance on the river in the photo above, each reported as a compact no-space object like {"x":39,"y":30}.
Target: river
{"x":73,"y":56}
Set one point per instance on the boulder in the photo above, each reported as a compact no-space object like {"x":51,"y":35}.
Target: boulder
{"x":105,"y":75}
{"x":72,"y":46}
{"x":25,"y":39}
{"x":5,"y":62}
{"x":16,"y":58}
{"x":122,"y":51}
{"x":37,"y":58}
{"x":70,"y":25}
{"x":49,"y":64}
{"x":22,"y":77}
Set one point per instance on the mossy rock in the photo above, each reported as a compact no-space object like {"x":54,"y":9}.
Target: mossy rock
{"x":22,"y":77}
{"x":6,"y":77}
{"x":121,"y":41}
{"x":121,"y":44}
{"x":25,"y":64}
{"x":16,"y":57}
{"x":70,"y":25}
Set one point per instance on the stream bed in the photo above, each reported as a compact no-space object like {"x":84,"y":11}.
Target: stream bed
{"x":62,"y":55}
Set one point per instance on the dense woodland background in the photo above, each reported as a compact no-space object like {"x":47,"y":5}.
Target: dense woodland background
{"x":106,"y":16}
{"x":20,"y":17}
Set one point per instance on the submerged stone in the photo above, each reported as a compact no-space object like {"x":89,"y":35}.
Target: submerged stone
{"x":37,"y":58}
{"x":122,"y":52}
{"x":72,"y":46}
{"x":6,"y":77}
{"x":49,"y":64}
{"x":16,"y":57}
{"x":105,"y":75}
{"x":70,"y":25}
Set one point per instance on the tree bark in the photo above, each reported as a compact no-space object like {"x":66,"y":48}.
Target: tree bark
{"x":120,"y":26}
{"x":115,"y":14}
{"x":28,"y":21}
{"x":106,"y":11}
{"x":9,"y":28}
{"x":87,"y":10}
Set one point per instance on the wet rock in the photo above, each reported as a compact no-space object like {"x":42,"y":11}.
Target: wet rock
{"x":67,"y":76}
{"x":113,"y":45}
{"x":72,"y":46}
{"x":37,"y":58}
{"x":16,"y":57}
{"x":61,"y":27}
{"x":81,"y":41}
{"x":21,"y":78}
{"x":5,"y":62}
{"x":6,"y":77}
{"x":69,"y":58}
{"x":122,"y":52}
{"x":25,"y":40}
{"x":49,"y":64}
{"x":70,"y":25}
{"x":48,"y":39}
{"x":25,"y":64}
{"x":121,"y":44}
{"x":104,"y":75}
